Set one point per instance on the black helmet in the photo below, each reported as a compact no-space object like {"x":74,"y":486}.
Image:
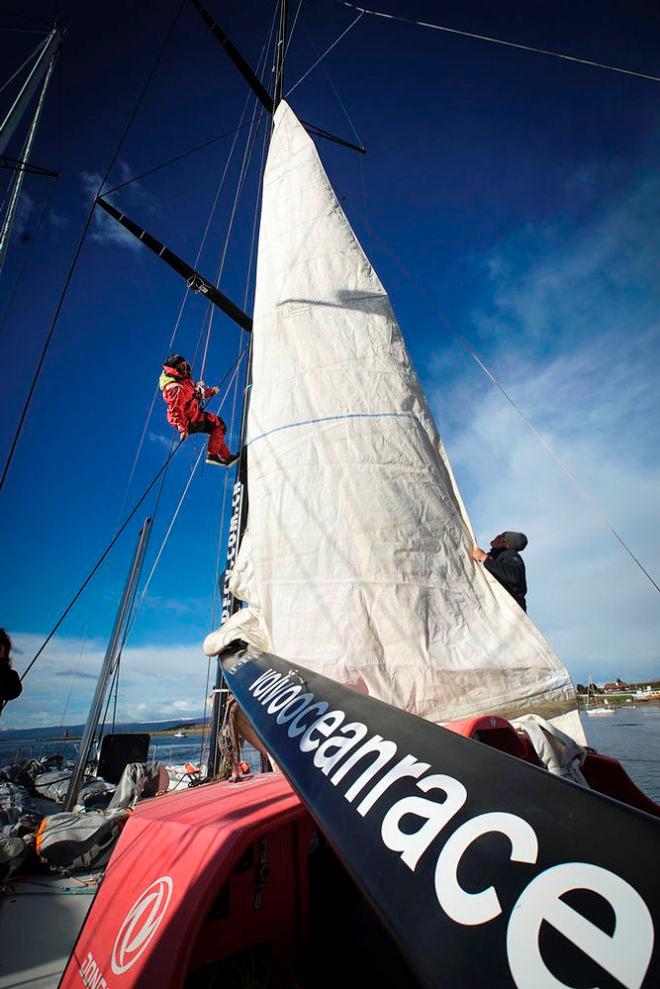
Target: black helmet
{"x":179,"y":364}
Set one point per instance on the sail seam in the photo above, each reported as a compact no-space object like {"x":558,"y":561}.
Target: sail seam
{"x":346,"y":415}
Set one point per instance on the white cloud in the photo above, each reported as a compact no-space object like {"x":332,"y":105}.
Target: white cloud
{"x":157,"y":683}
{"x":160,"y":440}
{"x":572,"y":332}
{"x":105,"y":229}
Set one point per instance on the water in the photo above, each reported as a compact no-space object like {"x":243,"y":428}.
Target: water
{"x":165,"y":748}
{"x":631,"y":735}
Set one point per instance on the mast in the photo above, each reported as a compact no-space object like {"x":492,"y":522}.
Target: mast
{"x":22,"y":167}
{"x":108,"y":667}
{"x":230,"y":604}
{"x":49,"y":49}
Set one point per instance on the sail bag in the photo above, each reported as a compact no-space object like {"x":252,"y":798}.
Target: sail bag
{"x":356,"y":557}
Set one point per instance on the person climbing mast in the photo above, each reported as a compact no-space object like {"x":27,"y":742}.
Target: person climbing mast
{"x":185,"y":409}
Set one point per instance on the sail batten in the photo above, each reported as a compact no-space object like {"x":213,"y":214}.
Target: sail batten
{"x":356,"y":560}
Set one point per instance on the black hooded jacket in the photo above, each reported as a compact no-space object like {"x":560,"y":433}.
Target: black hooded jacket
{"x":10,"y":683}
{"x":506,"y":566}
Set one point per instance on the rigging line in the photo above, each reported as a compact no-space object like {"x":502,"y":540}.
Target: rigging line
{"x":501,"y":41}
{"x":23,"y":17}
{"x":99,"y":561}
{"x":247,"y":157}
{"x":336,"y":92}
{"x":598,"y":511}
{"x":81,"y":241}
{"x":20,"y":30}
{"x":185,"y":299}
{"x":114,"y":707}
{"x":293,"y":28}
{"x":28,"y":254}
{"x":210,"y":309}
{"x":23,"y":65}
{"x":326,"y":52}
{"x":183,"y":154}
{"x":216,"y":587}
{"x":163,"y":544}
{"x":101,"y":724}
{"x":245,"y":166}
{"x":187,"y":290}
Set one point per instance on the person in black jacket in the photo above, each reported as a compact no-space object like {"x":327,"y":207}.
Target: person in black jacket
{"x":10,"y":682}
{"x":505,"y":563}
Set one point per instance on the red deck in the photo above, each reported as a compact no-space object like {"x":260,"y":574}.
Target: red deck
{"x":188,"y":871}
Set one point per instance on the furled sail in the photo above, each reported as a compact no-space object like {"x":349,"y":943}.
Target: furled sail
{"x":356,"y":558}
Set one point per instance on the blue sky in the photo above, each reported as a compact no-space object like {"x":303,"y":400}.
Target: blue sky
{"x":521,"y":191}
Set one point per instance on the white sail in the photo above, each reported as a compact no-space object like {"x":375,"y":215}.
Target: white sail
{"x":356,"y":559}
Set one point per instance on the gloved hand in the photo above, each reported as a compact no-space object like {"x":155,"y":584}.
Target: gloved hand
{"x":183,"y":435}
{"x":214,"y":391}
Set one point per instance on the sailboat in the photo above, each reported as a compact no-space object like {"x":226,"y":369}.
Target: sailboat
{"x":383,"y":670}
{"x":593,"y":709}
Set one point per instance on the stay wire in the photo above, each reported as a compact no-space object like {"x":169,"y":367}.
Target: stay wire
{"x":245,"y":165}
{"x":293,"y":28}
{"x":22,"y":65}
{"x":501,"y":41}
{"x":183,"y":154}
{"x":260,"y":71}
{"x":135,"y":613}
{"x":23,"y":17}
{"x":100,"y":560}
{"x":598,"y":511}
{"x":28,"y":254}
{"x":337,"y":96}
{"x":81,"y":241}
{"x":327,"y":51}
{"x":247,"y":158}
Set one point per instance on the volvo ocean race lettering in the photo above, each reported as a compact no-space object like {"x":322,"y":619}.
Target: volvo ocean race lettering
{"x":336,"y":749}
{"x":232,"y":547}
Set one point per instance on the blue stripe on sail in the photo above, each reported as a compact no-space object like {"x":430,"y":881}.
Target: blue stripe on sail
{"x":347,"y":415}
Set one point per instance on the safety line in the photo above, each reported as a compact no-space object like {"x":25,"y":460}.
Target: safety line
{"x":326,"y":52}
{"x":346,"y":415}
{"x":501,"y":41}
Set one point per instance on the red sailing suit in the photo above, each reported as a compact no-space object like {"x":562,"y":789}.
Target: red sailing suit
{"x":184,"y":413}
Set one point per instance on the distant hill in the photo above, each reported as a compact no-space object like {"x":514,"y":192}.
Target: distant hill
{"x":75,"y":731}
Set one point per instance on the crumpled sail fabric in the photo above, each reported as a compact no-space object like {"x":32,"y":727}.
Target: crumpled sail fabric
{"x":356,"y":559}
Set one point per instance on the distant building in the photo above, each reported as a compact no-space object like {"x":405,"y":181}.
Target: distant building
{"x":616,"y":686}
